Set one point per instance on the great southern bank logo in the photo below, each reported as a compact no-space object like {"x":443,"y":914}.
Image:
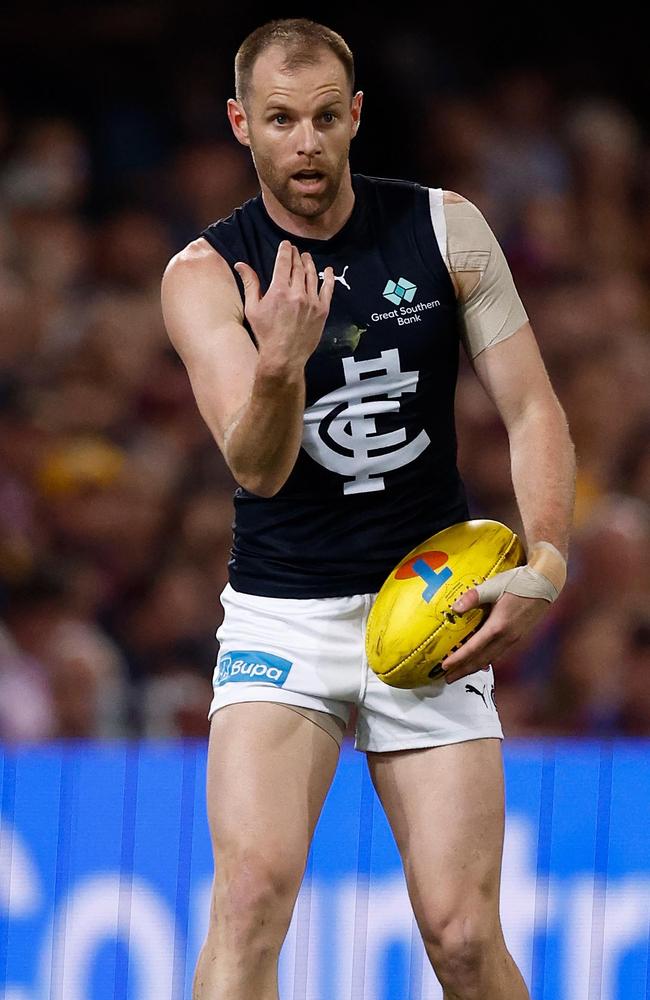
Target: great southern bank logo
{"x":400,"y":292}
{"x":252,"y":665}
{"x":395,"y":292}
{"x":430,"y":567}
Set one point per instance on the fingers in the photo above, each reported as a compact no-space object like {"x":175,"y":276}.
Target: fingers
{"x":250,"y":281}
{"x":311,"y":276}
{"x":469,"y":670}
{"x":488,"y":653}
{"x":491,"y":641}
{"x":297,"y":276}
{"x":292,"y":267}
{"x":289,"y":268}
{"x":327,"y":288}
{"x":311,"y":279}
{"x":283,"y":262}
{"x":472,"y":651}
{"x":508,"y":622}
{"x":487,"y":592}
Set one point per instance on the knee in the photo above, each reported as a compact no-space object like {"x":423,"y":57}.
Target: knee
{"x":253,"y":896}
{"x":460,"y":950}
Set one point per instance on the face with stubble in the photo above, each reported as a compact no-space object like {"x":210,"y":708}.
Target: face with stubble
{"x":299,"y":126}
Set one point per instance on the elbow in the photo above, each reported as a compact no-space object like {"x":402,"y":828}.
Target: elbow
{"x":259,"y":487}
{"x":260,"y":490}
{"x":256,"y":481}
{"x":252,"y":480}
{"x":253,"y":483}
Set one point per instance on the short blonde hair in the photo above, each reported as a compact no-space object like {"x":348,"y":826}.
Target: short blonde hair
{"x":303,"y":41}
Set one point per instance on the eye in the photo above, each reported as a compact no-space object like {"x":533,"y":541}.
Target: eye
{"x":279,"y":115}
{"x":331,"y":115}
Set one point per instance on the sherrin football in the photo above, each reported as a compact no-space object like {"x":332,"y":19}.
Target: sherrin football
{"x":411,"y":626}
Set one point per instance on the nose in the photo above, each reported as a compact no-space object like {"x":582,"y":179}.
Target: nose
{"x":308,"y":141}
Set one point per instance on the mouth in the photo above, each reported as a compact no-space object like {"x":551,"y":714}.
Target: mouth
{"x":309,"y":180}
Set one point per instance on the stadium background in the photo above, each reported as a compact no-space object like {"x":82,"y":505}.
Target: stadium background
{"x":115,"y":505}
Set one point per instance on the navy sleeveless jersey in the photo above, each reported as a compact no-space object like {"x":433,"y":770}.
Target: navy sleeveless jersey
{"x":376,"y":473}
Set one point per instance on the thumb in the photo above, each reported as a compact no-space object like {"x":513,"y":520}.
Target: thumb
{"x":250,"y":280}
{"x":487,"y":592}
{"x":466,"y":602}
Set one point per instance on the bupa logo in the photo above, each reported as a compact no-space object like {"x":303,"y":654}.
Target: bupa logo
{"x":395,"y":292}
{"x":430,"y":566}
{"x":252,"y":665}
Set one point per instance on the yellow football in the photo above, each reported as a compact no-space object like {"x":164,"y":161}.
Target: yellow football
{"x":411,"y":627}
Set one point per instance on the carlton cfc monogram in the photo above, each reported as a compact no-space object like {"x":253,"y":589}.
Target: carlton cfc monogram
{"x":346,"y":417}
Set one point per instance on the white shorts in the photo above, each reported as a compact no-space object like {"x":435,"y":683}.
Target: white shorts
{"x":311,"y":652}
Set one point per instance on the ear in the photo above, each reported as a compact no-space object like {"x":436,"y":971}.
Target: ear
{"x":238,"y":121}
{"x":357,"y":101}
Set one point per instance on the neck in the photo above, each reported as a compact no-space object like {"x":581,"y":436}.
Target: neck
{"x":318,"y":227}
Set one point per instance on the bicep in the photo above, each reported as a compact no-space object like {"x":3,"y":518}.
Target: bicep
{"x":203,"y":322}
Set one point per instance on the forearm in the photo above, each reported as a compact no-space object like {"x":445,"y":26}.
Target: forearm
{"x":262,"y":442}
{"x":542,"y":461}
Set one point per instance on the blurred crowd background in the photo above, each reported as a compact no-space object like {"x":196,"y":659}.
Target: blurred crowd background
{"x":115,"y":504}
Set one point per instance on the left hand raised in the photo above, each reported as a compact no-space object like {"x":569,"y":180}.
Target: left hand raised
{"x":510,"y":620}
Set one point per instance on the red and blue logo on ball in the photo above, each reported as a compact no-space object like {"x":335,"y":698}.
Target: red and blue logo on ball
{"x":430,"y":567}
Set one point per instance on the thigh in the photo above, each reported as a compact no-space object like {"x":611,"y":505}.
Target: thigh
{"x":269,"y":770}
{"x":445,"y":805}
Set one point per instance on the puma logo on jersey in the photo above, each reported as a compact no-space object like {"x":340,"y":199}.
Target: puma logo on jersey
{"x":338,"y":277}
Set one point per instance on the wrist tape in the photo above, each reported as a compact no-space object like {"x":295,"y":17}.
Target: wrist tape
{"x":543,"y":577}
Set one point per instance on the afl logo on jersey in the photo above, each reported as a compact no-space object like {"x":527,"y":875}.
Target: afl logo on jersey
{"x":340,"y":432}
